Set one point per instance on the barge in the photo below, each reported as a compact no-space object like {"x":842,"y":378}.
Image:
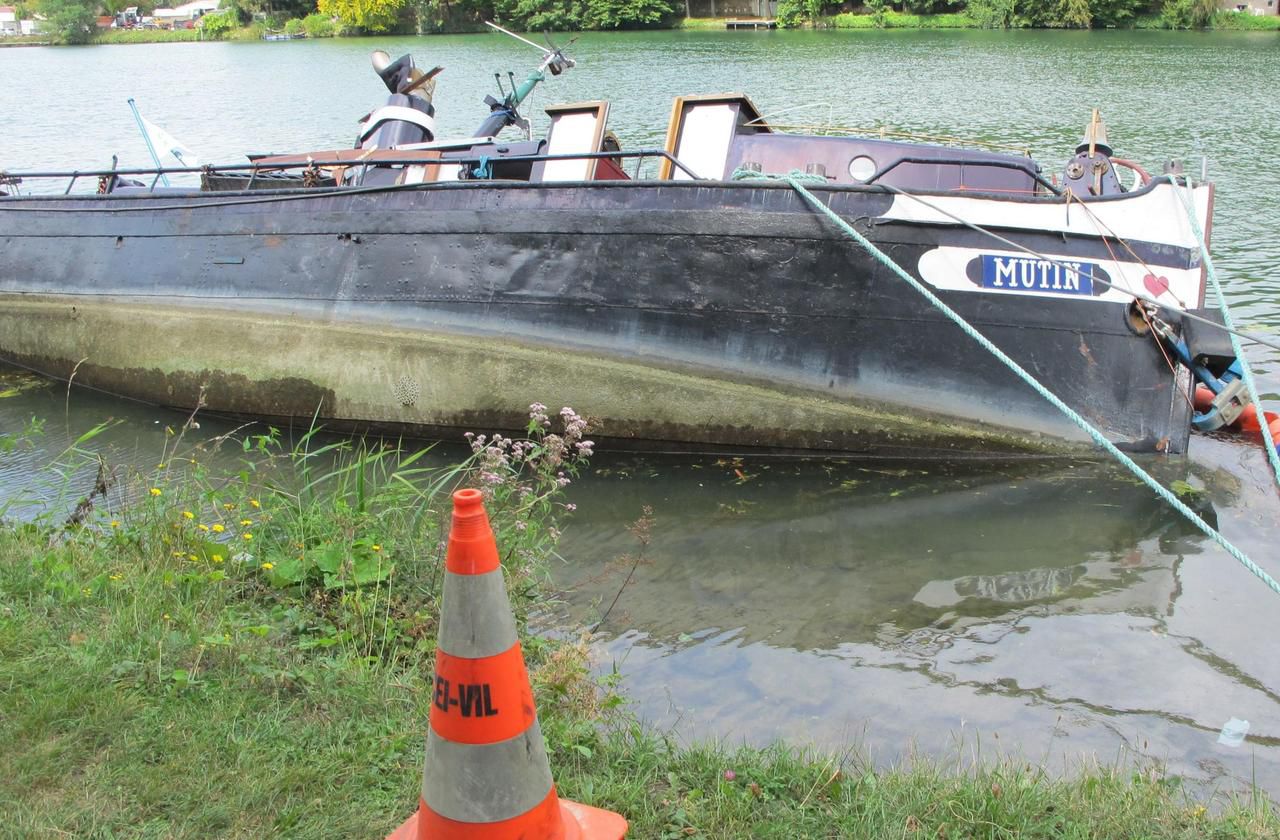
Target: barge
{"x":675,"y":295}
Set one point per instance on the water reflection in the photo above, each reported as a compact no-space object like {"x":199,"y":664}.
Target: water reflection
{"x":902,"y":609}
{"x":812,"y":556}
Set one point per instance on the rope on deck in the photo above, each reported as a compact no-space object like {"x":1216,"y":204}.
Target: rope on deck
{"x":1268,"y":442}
{"x":797,"y":181}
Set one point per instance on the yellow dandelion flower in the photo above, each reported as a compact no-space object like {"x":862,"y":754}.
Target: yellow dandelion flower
{"x":186,"y":514}
{"x":85,"y":591}
{"x":377,"y":547}
{"x":155,"y":491}
{"x":218,"y":529}
{"x":202,"y":526}
{"x":177,"y":554}
{"x":159,"y":466}
{"x":217,"y":558}
{"x":192,"y":558}
{"x":268,"y":566}
{"x":115,"y":523}
{"x":246,"y":535}
{"x":114,"y":577}
{"x":246,"y":522}
{"x":166,"y":617}
{"x":228,"y":506}
{"x":226,"y":637}
{"x":255,"y":503}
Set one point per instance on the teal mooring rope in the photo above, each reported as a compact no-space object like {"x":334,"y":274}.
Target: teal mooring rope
{"x":797,"y":180}
{"x":1268,"y":442}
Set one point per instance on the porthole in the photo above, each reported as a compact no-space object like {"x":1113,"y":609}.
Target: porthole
{"x":861,"y":168}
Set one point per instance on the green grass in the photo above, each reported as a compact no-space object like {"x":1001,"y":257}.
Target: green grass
{"x":902,"y":20}
{"x":701,"y":23}
{"x":253,"y":32}
{"x":25,"y":41}
{"x":1222,"y":21}
{"x":160,"y":682}
{"x":671,"y":791}
{"x":146,"y":36}
{"x":1246,"y":22}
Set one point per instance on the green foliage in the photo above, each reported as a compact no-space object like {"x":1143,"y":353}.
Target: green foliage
{"x":217,"y":25}
{"x":995,"y":14}
{"x":534,"y":15}
{"x":931,"y":7}
{"x":252,"y":32}
{"x":626,"y":14}
{"x":364,"y":15}
{"x":241,"y":10}
{"x":539,"y":14}
{"x":1118,"y":12}
{"x":1188,"y":14}
{"x":293,"y":27}
{"x":69,"y":21}
{"x":1075,"y":14}
{"x":271,"y":12}
{"x":793,"y":13}
{"x":878,"y":10}
{"x":319,"y":26}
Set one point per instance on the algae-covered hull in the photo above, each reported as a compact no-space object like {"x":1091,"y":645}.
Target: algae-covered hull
{"x":674,"y":313}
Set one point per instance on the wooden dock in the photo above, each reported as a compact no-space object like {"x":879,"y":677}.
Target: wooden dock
{"x":759,"y":23}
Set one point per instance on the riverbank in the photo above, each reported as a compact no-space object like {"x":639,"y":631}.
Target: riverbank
{"x":889,"y":19}
{"x":26,"y":41}
{"x":189,"y":655}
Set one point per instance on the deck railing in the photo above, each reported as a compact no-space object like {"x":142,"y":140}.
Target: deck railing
{"x":387,"y":157}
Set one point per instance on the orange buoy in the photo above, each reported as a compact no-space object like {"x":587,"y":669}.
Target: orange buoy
{"x":1203,"y":398}
{"x":486,"y":774}
{"x":1248,"y":421}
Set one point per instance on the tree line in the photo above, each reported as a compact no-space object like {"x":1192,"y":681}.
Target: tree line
{"x":1016,"y":14}
{"x":74,"y":21}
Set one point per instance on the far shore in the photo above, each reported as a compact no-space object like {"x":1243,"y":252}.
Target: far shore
{"x":1222,"y":22}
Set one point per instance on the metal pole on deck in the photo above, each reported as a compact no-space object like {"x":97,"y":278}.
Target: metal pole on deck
{"x":147,"y":137}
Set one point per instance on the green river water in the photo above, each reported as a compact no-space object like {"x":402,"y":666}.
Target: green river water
{"x":1055,"y":613}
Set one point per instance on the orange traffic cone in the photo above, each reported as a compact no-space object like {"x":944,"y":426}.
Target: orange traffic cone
{"x":486,"y":773}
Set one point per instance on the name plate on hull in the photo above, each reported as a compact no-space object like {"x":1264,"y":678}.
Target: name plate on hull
{"x":1031,"y":275}
{"x":1028,"y":274}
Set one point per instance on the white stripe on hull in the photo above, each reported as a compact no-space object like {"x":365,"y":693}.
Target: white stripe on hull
{"x":1158,"y":216}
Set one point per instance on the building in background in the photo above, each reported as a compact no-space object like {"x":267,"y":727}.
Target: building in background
{"x":9,"y":21}
{"x":1253,"y":7}
{"x":182,"y":17}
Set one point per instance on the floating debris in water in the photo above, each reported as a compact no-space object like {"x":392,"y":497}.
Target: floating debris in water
{"x":1233,"y":732}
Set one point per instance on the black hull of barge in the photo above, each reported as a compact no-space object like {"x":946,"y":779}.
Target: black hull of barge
{"x":675,"y":313}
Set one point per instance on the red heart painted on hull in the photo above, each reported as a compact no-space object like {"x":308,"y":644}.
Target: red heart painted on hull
{"x":1156,"y":285}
